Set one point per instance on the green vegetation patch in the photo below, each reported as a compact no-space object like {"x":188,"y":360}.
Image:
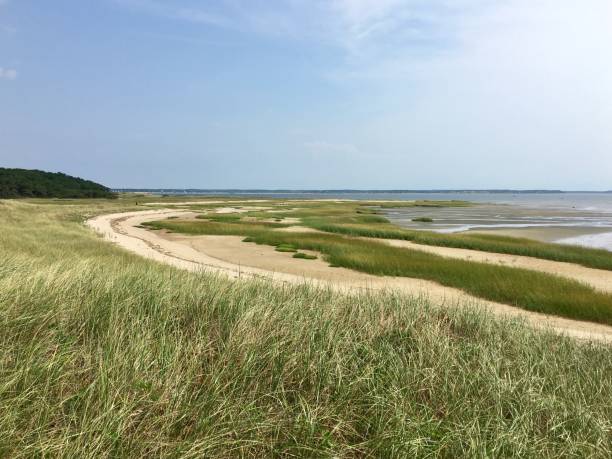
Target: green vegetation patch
{"x":221,"y":218}
{"x":230,"y":228}
{"x":592,"y":258}
{"x":285,"y":248}
{"x":423,"y":219}
{"x":305,"y":256}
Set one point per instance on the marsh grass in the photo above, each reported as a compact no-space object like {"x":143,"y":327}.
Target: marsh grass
{"x":591,"y":258}
{"x":531,"y":290}
{"x":351,"y":219}
{"x":364,"y":219}
{"x":105,"y":354}
{"x":305,"y":256}
{"x":284,"y":247}
{"x":221,"y":218}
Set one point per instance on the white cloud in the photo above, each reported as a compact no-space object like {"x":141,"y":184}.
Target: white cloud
{"x":349,"y":24}
{"x":8,"y":74}
{"x":359,"y":23}
{"x":527,"y":87}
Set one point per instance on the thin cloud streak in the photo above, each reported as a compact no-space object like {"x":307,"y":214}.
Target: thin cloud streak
{"x":372,"y":38}
{"x":8,"y":74}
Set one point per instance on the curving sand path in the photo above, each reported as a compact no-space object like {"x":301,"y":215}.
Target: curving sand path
{"x":229,"y":256}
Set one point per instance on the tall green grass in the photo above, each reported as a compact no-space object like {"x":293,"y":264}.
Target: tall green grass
{"x":105,"y":354}
{"x":531,"y":290}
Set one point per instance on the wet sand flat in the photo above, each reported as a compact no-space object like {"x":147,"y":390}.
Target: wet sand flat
{"x":544,"y":234}
{"x":566,"y":225}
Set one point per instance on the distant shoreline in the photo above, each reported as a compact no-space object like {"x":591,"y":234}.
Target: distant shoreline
{"x":343,"y":191}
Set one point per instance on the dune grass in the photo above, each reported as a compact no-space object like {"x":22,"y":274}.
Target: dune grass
{"x":531,"y":290}
{"x":105,"y":354}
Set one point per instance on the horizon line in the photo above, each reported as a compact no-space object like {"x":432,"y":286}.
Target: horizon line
{"x":357,"y":190}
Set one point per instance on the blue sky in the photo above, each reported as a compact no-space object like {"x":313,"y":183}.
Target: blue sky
{"x":310,"y":93}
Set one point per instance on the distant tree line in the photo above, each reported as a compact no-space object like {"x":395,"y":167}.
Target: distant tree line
{"x":25,"y":183}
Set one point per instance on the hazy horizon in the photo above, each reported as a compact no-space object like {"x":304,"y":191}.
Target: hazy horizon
{"x":368,"y":190}
{"x":296,"y":94}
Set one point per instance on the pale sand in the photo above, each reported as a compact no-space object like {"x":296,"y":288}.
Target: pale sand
{"x":238,"y":210}
{"x":233,"y":258}
{"x":298,"y":229}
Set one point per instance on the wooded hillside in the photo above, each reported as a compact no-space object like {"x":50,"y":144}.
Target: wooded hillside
{"x":25,"y":183}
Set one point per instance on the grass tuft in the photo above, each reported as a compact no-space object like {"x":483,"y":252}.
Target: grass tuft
{"x":305,"y":256}
{"x":285,"y":248}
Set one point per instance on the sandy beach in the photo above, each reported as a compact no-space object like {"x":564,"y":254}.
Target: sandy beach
{"x":229,"y":256}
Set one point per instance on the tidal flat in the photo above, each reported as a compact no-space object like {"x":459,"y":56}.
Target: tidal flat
{"x":548,"y":222}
